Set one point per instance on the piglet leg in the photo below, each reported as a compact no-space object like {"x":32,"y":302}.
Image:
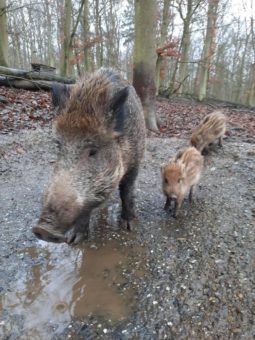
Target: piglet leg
{"x":167,"y":204}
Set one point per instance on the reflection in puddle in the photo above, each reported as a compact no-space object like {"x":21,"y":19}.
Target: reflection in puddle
{"x":73,"y":283}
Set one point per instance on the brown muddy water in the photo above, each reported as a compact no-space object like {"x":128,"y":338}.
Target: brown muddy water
{"x":75,"y":282}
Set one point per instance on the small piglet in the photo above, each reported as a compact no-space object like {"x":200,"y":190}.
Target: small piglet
{"x":213,"y":126}
{"x":180,"y":176}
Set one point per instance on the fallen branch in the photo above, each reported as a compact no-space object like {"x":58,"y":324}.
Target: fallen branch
{"x":25,"y":84}
{"x":180,"y":84}
{"x":31,"y":75}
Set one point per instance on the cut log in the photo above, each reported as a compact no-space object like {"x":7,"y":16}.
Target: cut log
{"x":22,"y":74}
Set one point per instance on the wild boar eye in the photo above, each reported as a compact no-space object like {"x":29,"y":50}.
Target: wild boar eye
{"x":166,"y":180}
{"x":179,"y":180}
{"x":92,"y":152}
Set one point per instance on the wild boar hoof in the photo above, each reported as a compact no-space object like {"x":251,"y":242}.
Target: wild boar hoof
{"x":127,"y":224}
{"x":166,"y":207}
{"x":74,"y":237}
{"x":175,"y":215}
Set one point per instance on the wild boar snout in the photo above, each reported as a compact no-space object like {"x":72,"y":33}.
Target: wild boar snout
{"x":47,"y":233}
{"x":62,"y":205}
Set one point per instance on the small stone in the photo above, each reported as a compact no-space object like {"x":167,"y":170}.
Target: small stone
{"x":236,"y":330}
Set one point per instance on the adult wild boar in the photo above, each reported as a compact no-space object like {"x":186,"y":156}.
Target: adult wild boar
{"x":100,"y":133}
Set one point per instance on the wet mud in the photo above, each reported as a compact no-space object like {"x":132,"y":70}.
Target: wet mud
{"x":186,"y":278}
{"x":74,"y":283}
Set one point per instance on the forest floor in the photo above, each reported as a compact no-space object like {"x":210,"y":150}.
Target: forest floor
{"x":185,"y":278}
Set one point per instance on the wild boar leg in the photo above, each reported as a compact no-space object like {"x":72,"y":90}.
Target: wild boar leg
{"x":220,"y":142}
{"x":168,"y":204}
{"x":175,"y":210}
{"x":191,"y":194}
{"x":177,"y":206}
{"x":80,"y":230}
{"x":127,"y":197}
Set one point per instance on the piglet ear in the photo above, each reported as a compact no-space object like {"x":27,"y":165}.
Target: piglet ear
{"x":119,"y":109}
{"x":60,"y":94}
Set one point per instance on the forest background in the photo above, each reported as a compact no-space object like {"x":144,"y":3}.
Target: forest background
{"x":201,"y":48}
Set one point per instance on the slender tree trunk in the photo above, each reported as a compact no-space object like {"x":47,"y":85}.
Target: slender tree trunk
{"x":219,"y":69}
{"x":65,"y":48}
{"x":145,"y":58}
{"x":208,"y":50}
{"x":50,"y":58}
{"x":251,"y":95}
{"x":185,"y":47}
{"x":3,"y":34}
{"x":160,"y":65}
{"x":86,"y":28}
{"x":239,"y":82}
{"x":97,"y":29}
{"x":25,"y":43}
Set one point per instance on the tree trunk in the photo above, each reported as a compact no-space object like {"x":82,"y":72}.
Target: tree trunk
{"x":97,"y":29}
{"x":86,"y":25}
{"x":145,"y":58}
{"x":208,"y":50}
{"x":240,"y":72}
{"x":65,"y":48}
{"x":251,"y":95}
{"x":3,"y":34}
{"x":160,"y":65}
{"x":50,"y":58}
{"x":185,"y":47}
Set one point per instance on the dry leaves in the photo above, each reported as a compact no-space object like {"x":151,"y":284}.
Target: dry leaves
{"x":24,"y":109}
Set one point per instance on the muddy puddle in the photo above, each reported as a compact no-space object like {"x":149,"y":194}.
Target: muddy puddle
{"x":75,"y":282}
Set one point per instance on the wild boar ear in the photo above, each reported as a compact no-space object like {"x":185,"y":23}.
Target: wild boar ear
{"x":118,"y":107}
{"x":60,"y":94}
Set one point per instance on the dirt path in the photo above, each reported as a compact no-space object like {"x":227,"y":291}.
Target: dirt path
{"x":190,"y":278}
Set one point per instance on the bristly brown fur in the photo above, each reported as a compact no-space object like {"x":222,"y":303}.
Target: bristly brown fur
{"x":87,"y":106}
{"x":100,"y":137}
{"x":181,"y":174}
{"x":213,"y":126}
